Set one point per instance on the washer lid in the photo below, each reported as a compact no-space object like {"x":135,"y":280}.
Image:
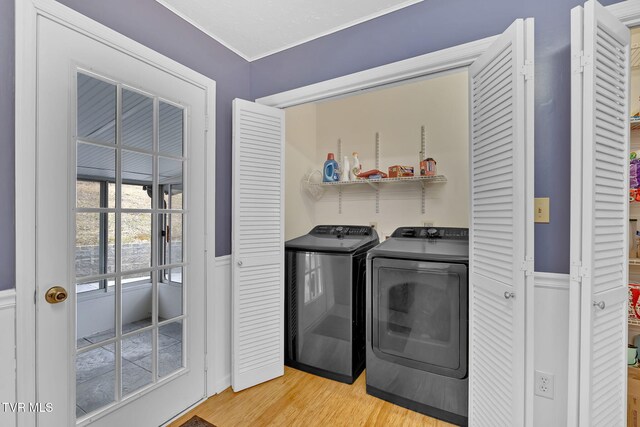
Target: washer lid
{"x":335,"y":238}
{"x":423,"y":249}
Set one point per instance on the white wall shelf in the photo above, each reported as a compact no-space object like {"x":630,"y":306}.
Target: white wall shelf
{"x":375,"y":182}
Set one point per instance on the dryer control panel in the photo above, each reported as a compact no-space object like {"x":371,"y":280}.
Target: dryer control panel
{"x":341,"y":230}
{"x":447,"y":233}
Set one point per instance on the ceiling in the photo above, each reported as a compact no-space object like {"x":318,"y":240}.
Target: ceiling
{"x":257,"y":28}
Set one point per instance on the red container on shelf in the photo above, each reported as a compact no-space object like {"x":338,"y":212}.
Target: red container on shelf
{"x":398,"y":171}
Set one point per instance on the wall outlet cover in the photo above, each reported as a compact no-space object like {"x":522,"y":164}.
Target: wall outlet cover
{"x":544,"y":383}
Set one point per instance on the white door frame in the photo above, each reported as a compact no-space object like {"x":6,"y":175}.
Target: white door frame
{"x":628,"y":12}
{"x":424,"y":66}
{"x":26,"y":15}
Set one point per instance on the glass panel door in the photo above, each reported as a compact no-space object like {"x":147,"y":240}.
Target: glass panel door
{"x":129,"y":261}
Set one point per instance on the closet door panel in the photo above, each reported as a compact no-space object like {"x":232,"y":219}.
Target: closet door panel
{"x":501,"y":87}
{"x":258,"y":244}
{"x":599,"y":255}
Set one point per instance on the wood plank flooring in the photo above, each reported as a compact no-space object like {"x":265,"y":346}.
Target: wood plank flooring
{"x":301,"y":399}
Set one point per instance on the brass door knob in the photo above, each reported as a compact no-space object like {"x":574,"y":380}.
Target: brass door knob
{"x":56,"y":294}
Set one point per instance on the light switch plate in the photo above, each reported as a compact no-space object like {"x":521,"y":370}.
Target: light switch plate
{"x":542,"y":210}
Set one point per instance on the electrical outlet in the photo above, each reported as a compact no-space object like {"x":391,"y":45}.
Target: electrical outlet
{"x":544,"y":384}
{"x":373,"y":225}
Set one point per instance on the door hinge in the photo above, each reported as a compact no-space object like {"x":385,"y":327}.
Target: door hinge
{"x":206,"y":123}
{"x":527,"y":266}
{"x":578,"y":271}
{"x":579,"y":61}
{"x":527,"y":69}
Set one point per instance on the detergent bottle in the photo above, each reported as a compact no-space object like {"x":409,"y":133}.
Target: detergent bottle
{"x":330,"y":171}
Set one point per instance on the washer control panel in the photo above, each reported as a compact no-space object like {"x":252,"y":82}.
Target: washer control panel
{"x":341,"y":230}
{"x":448,"y":233}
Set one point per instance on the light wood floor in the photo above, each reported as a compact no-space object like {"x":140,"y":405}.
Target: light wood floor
{"x":301,"y":399}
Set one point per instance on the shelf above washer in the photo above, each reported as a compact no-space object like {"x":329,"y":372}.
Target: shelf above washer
{"x":375,"y":182}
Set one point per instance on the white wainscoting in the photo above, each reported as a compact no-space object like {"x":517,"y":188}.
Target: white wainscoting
{"x":551,"y":342}
{"x":221,"y":326}
{"x":7,"y":355}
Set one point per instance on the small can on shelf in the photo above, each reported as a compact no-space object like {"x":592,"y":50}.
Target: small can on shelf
{"x":428,"y":167}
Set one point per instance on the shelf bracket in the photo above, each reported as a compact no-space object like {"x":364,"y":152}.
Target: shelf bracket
{"x":378,"y":150}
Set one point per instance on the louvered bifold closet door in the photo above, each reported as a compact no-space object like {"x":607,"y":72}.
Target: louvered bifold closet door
{"x":258,"y":244}
{"x":604,"y":263}
{"x":501,"y":257}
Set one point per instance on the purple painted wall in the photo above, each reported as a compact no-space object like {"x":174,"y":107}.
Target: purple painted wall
{"x":151,"y":24}
{"x":7,"y":218}
{"x":433,"y":25}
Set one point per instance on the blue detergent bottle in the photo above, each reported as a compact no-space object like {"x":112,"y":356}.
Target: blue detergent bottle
{"x":330,"y":171}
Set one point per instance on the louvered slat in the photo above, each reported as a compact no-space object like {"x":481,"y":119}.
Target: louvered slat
{"x":258,"y":246}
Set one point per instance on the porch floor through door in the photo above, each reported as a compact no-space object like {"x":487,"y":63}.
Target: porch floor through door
{"x":302,"y":399}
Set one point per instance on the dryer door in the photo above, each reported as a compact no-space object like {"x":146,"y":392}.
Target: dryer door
{"x":419,"y":315}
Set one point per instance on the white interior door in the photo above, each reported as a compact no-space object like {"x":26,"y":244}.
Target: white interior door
{"x":599,"y":216}
{"x":121,"y":190}
{"x":258,"y":244}
{"x":501,"y":86}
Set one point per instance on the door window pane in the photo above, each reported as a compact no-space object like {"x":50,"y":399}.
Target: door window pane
{"x":95,"y":379}
{"x":95,"y":239}
{"x":137,"y":302}
{"x":136,"y":358}
{"x":170,"y":180}
{"x":95,"y":163}
{"x":137,"y":180}
{"x":136,"y":241}
{"x":96,"y":109}
{"x":95,"y":318}
{"x":170,"y":296}
{"x":170,"y":350}
{"x":137,"y":120}
{"x":171,"y":129}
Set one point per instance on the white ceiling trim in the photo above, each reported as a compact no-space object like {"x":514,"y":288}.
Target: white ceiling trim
{"x":289,"y":46}
{"x":201,"y":28}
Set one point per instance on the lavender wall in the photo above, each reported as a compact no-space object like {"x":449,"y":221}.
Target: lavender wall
{"x":149,"y":23}
{"x":433,"y":25}
{"x":7,"y":220}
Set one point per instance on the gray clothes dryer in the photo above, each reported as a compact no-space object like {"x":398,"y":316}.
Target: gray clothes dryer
{"x":417,"y":321}
{"x":324,"y":300}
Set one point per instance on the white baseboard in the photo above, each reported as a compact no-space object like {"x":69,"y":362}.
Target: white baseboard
{"x":8,"y":354}
{"x":223,"y":384}
{"x":219,"y":335}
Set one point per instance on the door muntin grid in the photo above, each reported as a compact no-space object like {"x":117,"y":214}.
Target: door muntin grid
{"x":134,"y":145}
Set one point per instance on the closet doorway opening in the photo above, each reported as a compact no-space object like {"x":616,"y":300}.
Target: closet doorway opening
{"x":400,"y":124}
